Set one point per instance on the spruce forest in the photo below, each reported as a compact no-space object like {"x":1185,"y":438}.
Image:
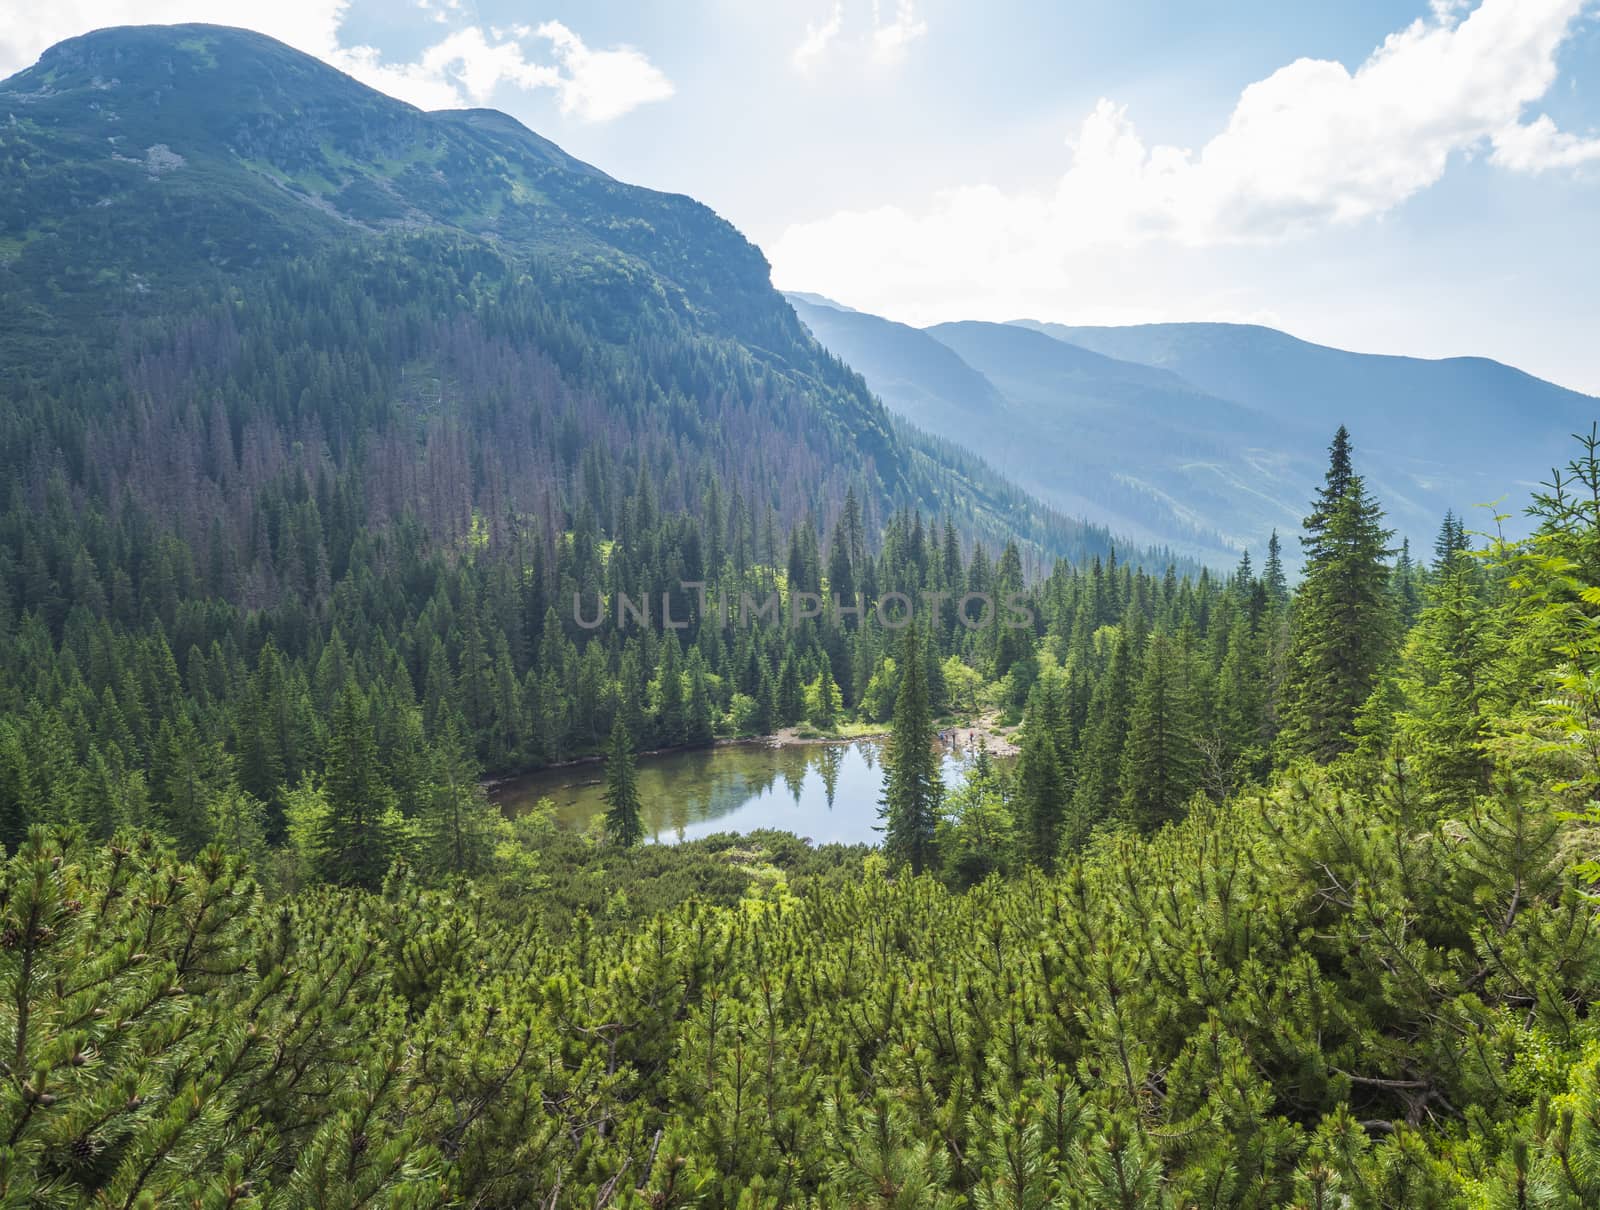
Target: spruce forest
{"x":333,"y":437}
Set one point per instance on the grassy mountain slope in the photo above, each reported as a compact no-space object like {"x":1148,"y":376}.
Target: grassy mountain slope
{"x":268,"y":148}
{"x":152,"y":173}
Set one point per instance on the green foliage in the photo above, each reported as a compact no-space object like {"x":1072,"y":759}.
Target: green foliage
{"x":1161,"y":764}
{"x":171,"y":1039}
{"x":623,"y":825}
{"x":457,"y":827}
{"x":1344,"y":622}
{"x":361,"y":832}
{"x":825,"y":708}
{"x":1451,"y":669}
{"x":1309,"y":992}
{"x":913,"y":786}
{"x":1362,"y":983}
{"x":976,"y":837}
{"x":1043,"y":775}
{"x":292,"y":512}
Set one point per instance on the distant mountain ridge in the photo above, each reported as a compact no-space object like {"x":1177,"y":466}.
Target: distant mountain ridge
{"x":1057,"y":419}
{"x":1402,"y":401}
{"x":1208,"y":436}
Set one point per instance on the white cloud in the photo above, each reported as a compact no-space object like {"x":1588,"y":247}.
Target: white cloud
{"x":884,"y":43}
{"x":602,"y":84}
{"x":413,"y":82}
{"x":470,"y":62}
{"x":440,"y":10}
{"x":890,"y":38}
{"x":819,"y":35}
{"x":1538,"y":145}
{"x":1312,"y":146}
{"x":466,"y":66}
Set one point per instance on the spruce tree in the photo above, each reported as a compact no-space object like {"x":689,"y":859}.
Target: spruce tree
{"x":671,"y":716}
{"x":1161,"y":763}
{"x":260,"y":762}
{"x":1277,"y":584}
{"x":913,"y":787}
{"x":1343,"y":621}
{"x":841,"y":572}
{"x":623,"y":824}
{"x":1450,"y":680}
{"x":827,"y":697}
{"x":1451,"y":541}
{"x":791,"y":701}
{"x":192,"y":774}
{"x":1335,"y":485}
{"x":1404,"y":586}
{"x":1098,"y":792}
{"x":1012,"y":644}
{"x":359,"y":837}
{"x":698,"y":724}
{"x":764,"y":720}
{"x":1043,"y":777}
{"x":1239,"y":721}
{"x":458,"y":824}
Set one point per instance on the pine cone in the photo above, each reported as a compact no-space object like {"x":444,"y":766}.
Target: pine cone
{"x":83,"y":1149}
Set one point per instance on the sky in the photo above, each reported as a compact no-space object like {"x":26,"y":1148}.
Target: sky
{"x":1396,"y":177}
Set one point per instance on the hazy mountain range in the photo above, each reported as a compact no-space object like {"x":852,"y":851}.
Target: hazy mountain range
{"x":1208,"y":435}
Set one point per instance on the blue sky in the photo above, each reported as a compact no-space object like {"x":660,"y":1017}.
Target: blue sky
{"x":1392,"y":177}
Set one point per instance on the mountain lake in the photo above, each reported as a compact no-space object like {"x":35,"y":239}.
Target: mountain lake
{"x":825,"y":792}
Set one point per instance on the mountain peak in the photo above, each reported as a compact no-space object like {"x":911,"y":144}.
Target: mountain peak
{"x":222,"y":87}
{"x":130,"y":65}
{"x":223,"y":90}
{"x":156,"y":152}
{"x":116,"y":46}
{"x":215,"y":96}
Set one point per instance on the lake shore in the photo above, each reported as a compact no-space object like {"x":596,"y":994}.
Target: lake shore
{"x":999,"y":740}
{"x":986,"y":728}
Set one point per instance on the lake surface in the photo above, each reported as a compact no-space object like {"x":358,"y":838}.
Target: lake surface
{"x":825,"y":792}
